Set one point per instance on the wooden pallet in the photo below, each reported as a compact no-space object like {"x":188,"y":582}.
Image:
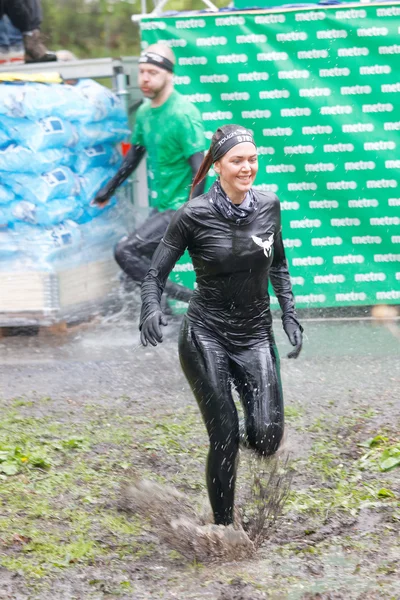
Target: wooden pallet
{"x":55,"y":302}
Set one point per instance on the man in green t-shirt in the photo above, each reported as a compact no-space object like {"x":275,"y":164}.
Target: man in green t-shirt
{"x":169,"y":128}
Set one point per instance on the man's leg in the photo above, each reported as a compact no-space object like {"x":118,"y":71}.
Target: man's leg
{"x":26,"y":15}
{"x":134,"y":252}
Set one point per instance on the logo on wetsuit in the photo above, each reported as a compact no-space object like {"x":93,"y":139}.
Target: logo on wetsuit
{"x":266,"y":246}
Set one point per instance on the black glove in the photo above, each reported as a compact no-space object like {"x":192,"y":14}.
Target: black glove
{"x":102,"y":196}
{"x":294,"y":331}
{"x":151,"y":329}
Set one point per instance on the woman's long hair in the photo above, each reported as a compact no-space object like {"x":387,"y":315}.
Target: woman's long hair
{"x":203,"y":170}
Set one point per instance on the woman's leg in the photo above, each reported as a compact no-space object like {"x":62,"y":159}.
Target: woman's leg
{"x":206,"y":366}
{"x":257,"y":380}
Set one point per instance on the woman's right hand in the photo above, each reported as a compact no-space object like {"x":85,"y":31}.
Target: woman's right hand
{"x":151,"y":329}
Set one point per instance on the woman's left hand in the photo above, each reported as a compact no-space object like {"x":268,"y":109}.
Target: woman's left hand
{"x":294,"y":331}
{"x":151,"y":329}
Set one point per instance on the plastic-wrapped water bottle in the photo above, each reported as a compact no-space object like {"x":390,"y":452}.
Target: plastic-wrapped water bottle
{"x":6,"y":195}
{"x":58,"y":183}
{"x":16,"y":159}
{"x":51,"y":213}
{"x":49,"y":132}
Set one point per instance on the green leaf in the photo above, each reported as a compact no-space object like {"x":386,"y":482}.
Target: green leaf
{"x":375,"y":441}
{"x":9,"y":468}
{"x":385,"y":493}
{"x":389,"y":463}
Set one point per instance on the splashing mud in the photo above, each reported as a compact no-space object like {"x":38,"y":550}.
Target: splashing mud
{"x":191,"y":532}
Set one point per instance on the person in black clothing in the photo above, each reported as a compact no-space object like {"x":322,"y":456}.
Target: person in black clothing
{"x":233,"y":234}
{"x":26,"y":15}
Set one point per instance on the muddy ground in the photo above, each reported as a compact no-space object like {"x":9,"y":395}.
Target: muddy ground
{"x":86,"y":412}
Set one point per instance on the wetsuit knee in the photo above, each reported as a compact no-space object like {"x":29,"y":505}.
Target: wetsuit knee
{"x":265,"y":440}
{"x":127,"y":255}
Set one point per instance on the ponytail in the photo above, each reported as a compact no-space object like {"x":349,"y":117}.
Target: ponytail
{"x":202,"y":172}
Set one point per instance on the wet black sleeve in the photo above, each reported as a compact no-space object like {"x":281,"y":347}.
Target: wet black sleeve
{"x":280,"y":279}
{"x":168,"y":252}
{"x":131,"y":161}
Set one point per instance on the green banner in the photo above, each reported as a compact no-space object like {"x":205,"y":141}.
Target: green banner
{"x":320,"y":88}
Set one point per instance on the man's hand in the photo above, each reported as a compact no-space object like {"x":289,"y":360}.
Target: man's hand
{"x":294,"y":332}
{"x":151,"y":329}
{"x":101,"y":198}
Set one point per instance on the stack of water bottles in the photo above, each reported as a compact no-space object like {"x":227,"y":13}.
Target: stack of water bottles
{"x":59,"y":144}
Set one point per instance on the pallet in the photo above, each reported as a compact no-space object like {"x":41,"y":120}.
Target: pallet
{"x":56,"y":302}
{"x":60,"y":328}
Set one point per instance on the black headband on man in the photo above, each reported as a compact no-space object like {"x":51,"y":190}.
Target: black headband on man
{"x":232,"y":135}
{"x":153,"y":58}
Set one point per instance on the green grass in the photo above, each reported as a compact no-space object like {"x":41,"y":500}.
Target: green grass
{"x":61,"y":475}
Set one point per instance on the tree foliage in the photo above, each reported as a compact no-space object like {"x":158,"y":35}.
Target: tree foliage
{"x":98,"y":28}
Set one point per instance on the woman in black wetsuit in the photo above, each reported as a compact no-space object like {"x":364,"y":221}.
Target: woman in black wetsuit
{"x":233,"y":234}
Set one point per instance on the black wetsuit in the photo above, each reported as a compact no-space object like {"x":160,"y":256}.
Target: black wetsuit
{"x":226,"y":337}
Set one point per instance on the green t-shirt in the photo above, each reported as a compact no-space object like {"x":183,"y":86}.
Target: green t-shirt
{"x":171,"y":133}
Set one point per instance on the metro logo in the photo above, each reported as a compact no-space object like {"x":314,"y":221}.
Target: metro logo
{"x":332,"y":34}
{"x":351,"y":297}
{"x":335,"y":72}
{"x":329,"y":204}
{"x":361,"y":165}
{"x":349,"y":259}
{"x":391,"y":88}
{"x":299,"y":149}
{"x":293,"y":36}
{"x":378,"y":107}
{"x":375,"y":70}
{"x":345,"y":222}
{"x":280,"y":169}
{"x":305,"y":224}
{"x":341,"y":185}
{"x":355,"y":51}
{"x":229,"y":21}
{"x":252,"y":38}
{"x":329,"y":278}
{"x":372,"y":31}
{"x":316,"y":129}
{"x":349,"y":90}
{"x":308,"y":261}
{"x":369,"y":277}
{"x":314,"y":92}
{"x":227,"y":59}
{"x":234,"y":96}
{"x":267,"y":19}
{"x":273,"y":94}
{"x":381,"y":183}
{"x":295,"y":112}
{"x":319,"y":167}
{"x":366,"y":239}
{"x":272,"y":56}
{"x":363,"y":203}
{"x":212,"y":41}
{"x":295,"y":74}
{"x":357,"y":127}
{"x":336,"y":110}
{"x":310,"y":54}
{"x":338,"y":147}
{"x":310,"y":16}
{"x":381,"y":145}
{"x":327,"y":241}
{"x":277,"y":131}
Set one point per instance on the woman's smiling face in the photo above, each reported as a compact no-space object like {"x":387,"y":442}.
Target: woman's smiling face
{"x":237,"y":170}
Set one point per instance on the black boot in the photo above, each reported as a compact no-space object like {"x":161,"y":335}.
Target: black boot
{"x":35,"y":50}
